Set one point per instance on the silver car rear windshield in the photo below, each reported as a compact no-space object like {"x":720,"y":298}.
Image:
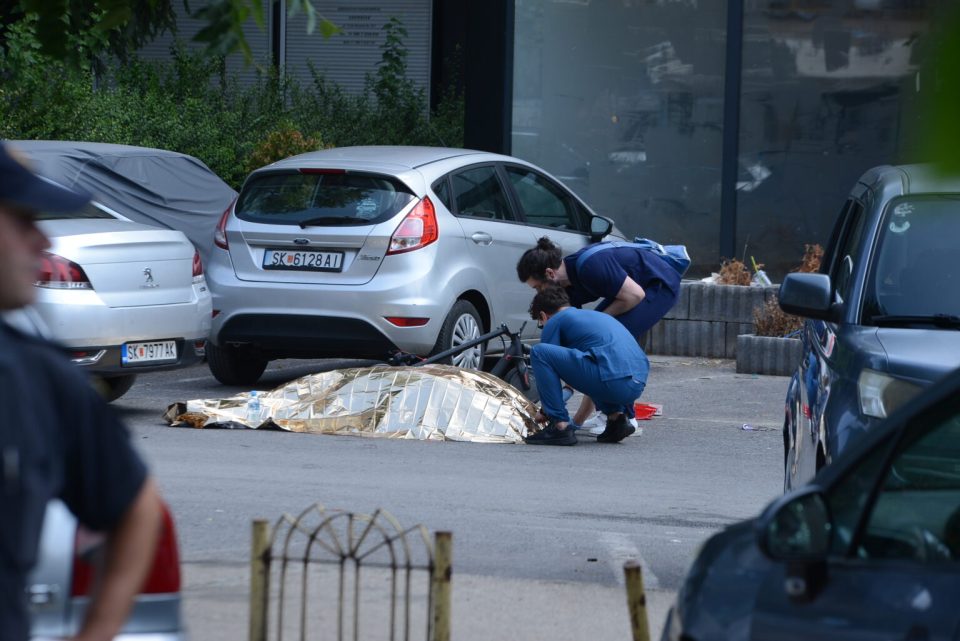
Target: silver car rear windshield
{"x":321,"y":197}
{"x":87,"y":211}
{"x":915,"y":276}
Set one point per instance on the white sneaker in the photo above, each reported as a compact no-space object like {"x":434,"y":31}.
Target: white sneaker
{"x":597,"y":423}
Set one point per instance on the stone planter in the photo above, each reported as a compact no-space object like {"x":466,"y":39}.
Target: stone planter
{"x":768,"y":355}
{"x":707,"y":320}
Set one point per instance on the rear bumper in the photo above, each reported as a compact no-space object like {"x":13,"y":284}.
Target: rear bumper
{"x":338,"y":321}
{"x":79,"y":319}
{"x":300,"y":336}
{"x":107,"y":360}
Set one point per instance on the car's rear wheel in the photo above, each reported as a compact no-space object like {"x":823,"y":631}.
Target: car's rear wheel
{"x":116,"y":386}
{"x":234,"y":364}
{"x":461,"y":325}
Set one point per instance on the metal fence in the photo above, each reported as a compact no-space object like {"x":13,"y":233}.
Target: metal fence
{"x":333,"y":574}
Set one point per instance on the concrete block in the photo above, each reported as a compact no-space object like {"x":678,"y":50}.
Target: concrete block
{"x":731,"y":303}
{"x":689,"y":338}
{"x":653,"y":341}
{"x":770,"y":293}
{"x":712,"y":340}
{"x":733,"y":330}
{"x":768,"y":355}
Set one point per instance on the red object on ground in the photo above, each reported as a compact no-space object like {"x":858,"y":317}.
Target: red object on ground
{"x":644,"y":412}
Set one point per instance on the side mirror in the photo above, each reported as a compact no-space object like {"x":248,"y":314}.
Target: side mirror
{"x":808,"y":295}
{"x":798,"y":529}
{"x":599,"y":227}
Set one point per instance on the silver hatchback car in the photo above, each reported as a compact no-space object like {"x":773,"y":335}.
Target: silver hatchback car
{"x":361,"y":251}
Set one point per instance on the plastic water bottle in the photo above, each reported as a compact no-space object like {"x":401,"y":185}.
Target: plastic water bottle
{"x":253,"y":408}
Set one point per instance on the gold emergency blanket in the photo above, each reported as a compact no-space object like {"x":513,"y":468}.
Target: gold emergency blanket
{"x":435,"y":402}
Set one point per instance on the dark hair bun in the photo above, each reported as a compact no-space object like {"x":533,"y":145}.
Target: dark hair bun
{"x":545,"y":243}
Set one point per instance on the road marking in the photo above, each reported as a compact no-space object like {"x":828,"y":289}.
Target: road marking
{"x":620,"y":550}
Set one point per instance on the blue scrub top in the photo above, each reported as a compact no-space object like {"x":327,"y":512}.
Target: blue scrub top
{"x":602,"y":338}
{"x":605,"y":271}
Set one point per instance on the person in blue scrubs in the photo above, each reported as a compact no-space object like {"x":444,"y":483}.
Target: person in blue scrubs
{"x":591,"y":352}
{"x":635,"y":286}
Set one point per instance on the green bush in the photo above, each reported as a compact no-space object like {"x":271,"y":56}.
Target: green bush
{"x":188,"y":104}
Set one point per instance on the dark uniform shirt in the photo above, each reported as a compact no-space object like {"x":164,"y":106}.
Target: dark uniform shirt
{"x":58,"y":438}
{"x":602,"y":274}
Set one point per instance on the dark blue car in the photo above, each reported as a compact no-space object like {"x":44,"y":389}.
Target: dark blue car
{"x":869,"y":550}
{"x":883,"y":313}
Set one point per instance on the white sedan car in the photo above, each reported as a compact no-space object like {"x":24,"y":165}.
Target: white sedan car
{"x":124,"y":298}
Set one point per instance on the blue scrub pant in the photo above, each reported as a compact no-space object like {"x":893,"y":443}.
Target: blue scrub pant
{"x":553,"y":364}
{"x":654,"y":306}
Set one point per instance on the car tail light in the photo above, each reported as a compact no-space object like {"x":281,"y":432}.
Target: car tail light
{"x":417,"y":229}
{"x":164,"y":575}
{"x":56,"y":272}
{"x":220,"y":234}
{"x":197,"y":267}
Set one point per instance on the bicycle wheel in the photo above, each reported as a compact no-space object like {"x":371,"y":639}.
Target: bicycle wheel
{"x":513,"y":377}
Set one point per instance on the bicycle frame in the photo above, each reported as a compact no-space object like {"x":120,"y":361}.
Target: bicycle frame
{"x":514,"y":355}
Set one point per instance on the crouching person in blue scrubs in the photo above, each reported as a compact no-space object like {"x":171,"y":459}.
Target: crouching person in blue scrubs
{"x":637,"y":287}
{"x":593,"y":353}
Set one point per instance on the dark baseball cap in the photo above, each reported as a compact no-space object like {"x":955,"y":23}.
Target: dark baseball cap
{"x":20,"y":187}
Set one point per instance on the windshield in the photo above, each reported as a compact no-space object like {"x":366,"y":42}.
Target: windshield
{"x":321,"y":199}
{"x":915,"y":276}
{"x":87,"y":211}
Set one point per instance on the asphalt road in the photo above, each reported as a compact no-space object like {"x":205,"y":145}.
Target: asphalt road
{"x":540,"y":534}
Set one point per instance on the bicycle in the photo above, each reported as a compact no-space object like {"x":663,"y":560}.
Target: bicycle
{"x":512,"y":367}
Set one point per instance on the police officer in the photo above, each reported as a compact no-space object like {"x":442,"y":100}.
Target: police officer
{"x":57,"y":436}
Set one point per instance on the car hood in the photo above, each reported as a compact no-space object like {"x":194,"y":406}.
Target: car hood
{"x":920,"y":354}
{"x":718,"y":595}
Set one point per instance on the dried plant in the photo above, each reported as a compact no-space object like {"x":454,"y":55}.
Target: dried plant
{"x":812,"y":256}
{"x":770,"y":320}
{"x":734,"y":272}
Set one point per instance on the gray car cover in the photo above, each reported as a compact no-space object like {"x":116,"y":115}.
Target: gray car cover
{"x":149,"y":186}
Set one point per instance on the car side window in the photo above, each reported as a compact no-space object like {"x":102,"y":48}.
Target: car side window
{"x":478,"y":193}
{"x":545,"y":204}
{"x":916,"y":515}
{"x":442,"y":189}
{"x":848,"y":253}
{"x":848,"y":498}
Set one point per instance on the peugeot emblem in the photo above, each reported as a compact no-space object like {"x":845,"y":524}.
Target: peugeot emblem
{"x":148,"y":284}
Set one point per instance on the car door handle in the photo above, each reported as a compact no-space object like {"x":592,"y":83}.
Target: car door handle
{"x":481,"y":238}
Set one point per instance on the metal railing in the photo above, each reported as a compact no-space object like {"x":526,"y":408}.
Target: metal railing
{"x":311,"y":587}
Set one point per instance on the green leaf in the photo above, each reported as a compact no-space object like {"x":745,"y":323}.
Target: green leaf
{"x":328,"y":29}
